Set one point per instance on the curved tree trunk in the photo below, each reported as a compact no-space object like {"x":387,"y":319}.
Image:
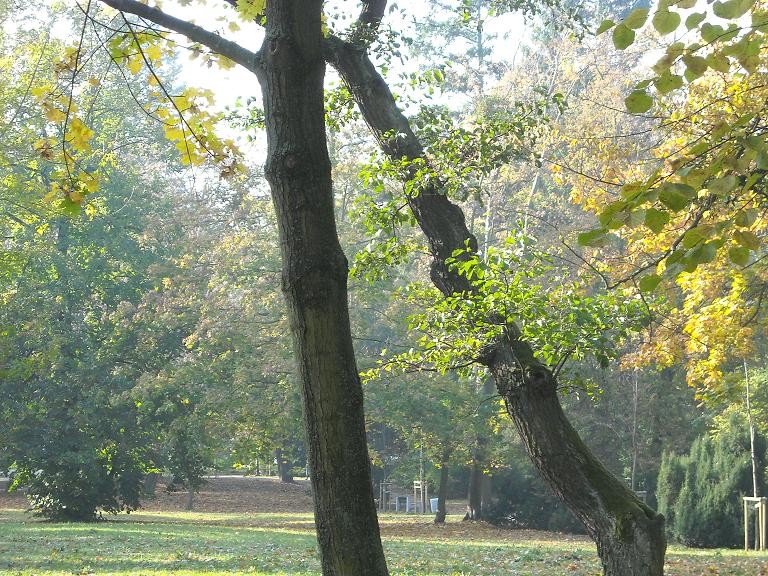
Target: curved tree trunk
{"x":629,"y":535}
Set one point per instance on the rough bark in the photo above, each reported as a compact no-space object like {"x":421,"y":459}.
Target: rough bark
{"x":314,"y":279}
{"x":629,"y":535}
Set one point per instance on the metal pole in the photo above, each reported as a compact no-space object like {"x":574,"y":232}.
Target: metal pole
{"x":421,"y":473}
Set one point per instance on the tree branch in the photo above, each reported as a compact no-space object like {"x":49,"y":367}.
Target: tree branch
{"x":367,"y":25}
{"x":249,"y":60}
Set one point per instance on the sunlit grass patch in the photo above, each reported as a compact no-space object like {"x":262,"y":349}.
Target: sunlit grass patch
{"x":189,"y":543}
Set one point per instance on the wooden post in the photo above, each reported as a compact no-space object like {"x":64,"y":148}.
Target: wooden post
{"x":746,"y":525}
{"x":763,"y":511}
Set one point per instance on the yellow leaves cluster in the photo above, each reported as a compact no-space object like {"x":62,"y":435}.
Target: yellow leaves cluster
{"x":189,"y":123}
{"x":712,"y":143}
{"x":716,"y":309}
{"x":137,"y":50}
{"x":68,"y":151}
{"x":250,"y":10}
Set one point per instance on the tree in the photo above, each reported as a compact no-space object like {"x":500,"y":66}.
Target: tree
{"x":290,"y":67}
{"x":702,"y":490}
{"x":690,"y":216}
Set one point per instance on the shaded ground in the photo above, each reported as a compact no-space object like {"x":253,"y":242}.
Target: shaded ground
{"x":234,"y":494}
{"x":238,"y":494}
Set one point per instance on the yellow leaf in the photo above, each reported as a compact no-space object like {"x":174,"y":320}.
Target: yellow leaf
{"x":154,"y":52}
{"x":79,"y":134}
{"x":54,"y":114}
{"x":134,"y":64}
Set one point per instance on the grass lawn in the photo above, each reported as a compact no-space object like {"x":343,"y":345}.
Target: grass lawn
{"x":160,"y":543}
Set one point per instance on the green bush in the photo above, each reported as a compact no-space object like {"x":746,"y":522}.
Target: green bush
{"x":700,"y":493}
{"x":522,"y":500}
{"x":73,"y":479}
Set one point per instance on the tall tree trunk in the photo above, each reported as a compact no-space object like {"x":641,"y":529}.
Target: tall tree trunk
{"x":629,"y":535}
{"x":290,"y":69}
{"x":442,"y":489}
{"x":314,"y":282}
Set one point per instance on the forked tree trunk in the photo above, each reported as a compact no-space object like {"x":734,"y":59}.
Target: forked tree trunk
{"x":629,"y":535}
{"x":314,"y":282}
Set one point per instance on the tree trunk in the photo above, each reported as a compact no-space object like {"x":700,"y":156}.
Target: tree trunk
{"x":474,"y":495}
{"x":629,"y":535}
{"x":442,"y":490}
{"x":314,"y":282}
{"x":190,"y":498}
{"x":290,"y":69}
{"x":283,"y":467}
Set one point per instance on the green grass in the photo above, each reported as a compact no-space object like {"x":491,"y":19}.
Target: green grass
{"x":213,"y":544}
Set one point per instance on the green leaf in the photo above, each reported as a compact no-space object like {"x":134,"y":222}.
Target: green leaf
{"x":746,"y":217}
{"x":722,"y":186}
{"x":636,"y":18}
{"x":704,"y":253}
{"x":623,"y":36}
{"x":695,"y":66}
{"x":605,"y":25}
{"x":711,"y":32}
{"x":696,"y":235}
{"x":668,"y":82}
{"x":610,"y":211}
{"x":632,"y":190}
{"x":739,"y":255}
{"x":666,"y":21}
{"x":756,"y":143}
{"x":732,"y":9}
{"x":649,"y":283}
{"x":69,"y":207}
{"x":694,"y":20}
{"x":719,"y":61}
{"x":675,"y":196}
{"x":593,"y":238}
{"x":638,"y":102}
{"x":656,"y":220}
{"x":747,"y":239}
